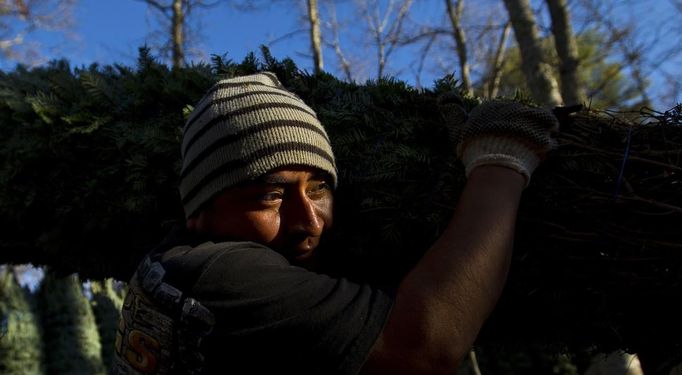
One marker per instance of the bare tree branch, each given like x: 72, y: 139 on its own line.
x: 288, y: 35
x: 19, y: 18
x: 394, y: 34
x: 424, y: 35
x: 164, y: 9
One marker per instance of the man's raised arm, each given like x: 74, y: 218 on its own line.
x: 443, y: 302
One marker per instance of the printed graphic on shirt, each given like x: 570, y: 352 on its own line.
x: 143, y: 337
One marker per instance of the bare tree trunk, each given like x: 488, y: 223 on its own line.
x: 345, y: 64
x: 543, y: 86
x: 394, y: 33
x: 377, y: 27
x: 494, y: 79
x: 315, y: 36
x: 567, y: 50
x: 386, y: 34
x: 178, y: 29
x: 424, y: 53
x: 475, y: 370
x: 455, y: 14
x: 177, y: 23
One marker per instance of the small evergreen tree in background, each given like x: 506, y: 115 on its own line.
x: 106, y: 304
x: 72, y: 343
x: 20, y: 342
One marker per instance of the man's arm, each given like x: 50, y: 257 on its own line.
x: 443, y: 302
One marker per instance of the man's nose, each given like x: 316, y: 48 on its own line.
x: 302, y: 217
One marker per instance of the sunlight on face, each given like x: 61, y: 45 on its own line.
x: 287, y: 210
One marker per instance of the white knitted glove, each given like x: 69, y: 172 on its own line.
x: 507, y: 134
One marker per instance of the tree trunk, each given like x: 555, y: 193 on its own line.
x: 455, y: 14
x: 315, y: 36
x: 498, y: 60
x: 543, y: 86
x: 381, y: 56
x: 345, y: 64
x: 567, y: 50
x: 177, y: 23
x: 475, y: 370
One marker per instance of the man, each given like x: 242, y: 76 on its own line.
x: 238, y: 292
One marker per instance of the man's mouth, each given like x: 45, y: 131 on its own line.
x: 306, y: 246
x: 305, y: 249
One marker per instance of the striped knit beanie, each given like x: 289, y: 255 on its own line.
x: 243, y: 128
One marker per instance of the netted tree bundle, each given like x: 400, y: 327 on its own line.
x: 598, y: 254
x: 90, y: 175
x: 599, y: 249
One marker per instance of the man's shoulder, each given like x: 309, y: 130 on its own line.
x: 184, y: 263
x: 209, y: 251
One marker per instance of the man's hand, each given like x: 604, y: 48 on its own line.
x: 507, y: 134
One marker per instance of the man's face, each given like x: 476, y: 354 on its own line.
x: 287, y: 210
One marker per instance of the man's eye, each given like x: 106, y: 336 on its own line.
x: 271, y: 196
x: 319, y: 189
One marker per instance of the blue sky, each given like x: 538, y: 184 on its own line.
x: 110, y: 31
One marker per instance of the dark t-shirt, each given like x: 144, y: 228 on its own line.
x: 273, y: 317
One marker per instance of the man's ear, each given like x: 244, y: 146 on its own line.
x: 197, y: 223
x: 191, y: 224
